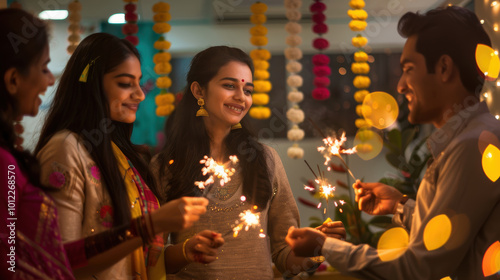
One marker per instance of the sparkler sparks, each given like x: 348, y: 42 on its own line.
x: 247, y: 220
x: 325, y: 188
x: 217, y: 171
x: 333, y: 148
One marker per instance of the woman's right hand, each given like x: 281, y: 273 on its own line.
x: 203, y: 247
x: 179, y: 214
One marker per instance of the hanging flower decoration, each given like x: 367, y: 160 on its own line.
x: 293, y: 54
x: 130, y: 28
x: 361, y: 68
x: 165, y: 99
x: 260, y: 57
x: 321, y: 68
x: 74, y: 18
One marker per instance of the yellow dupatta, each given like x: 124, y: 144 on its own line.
x: 137, y: 259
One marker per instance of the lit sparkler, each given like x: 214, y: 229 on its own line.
x: 333, y: 147
x: 247, y: 220
x: 217, y: 171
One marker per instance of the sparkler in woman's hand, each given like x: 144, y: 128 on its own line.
x: 216, y: 171
x: 247, y: 220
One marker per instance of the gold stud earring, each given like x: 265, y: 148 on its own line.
x: 201, y: 112
x: 236, y: 126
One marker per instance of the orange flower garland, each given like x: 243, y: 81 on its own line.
x: 293, y: 53
x: 361, y: 68
x: 165, y: 99
x: 260, y: 58
x: 74, y: 18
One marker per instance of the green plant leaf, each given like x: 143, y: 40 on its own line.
x: 390, y: 181
x: 381, y: 221
x: 394, y: 137
x: 375, y: 238
x: 407, y: 136
x: 396, y: 160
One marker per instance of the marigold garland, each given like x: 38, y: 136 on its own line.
x: 293, y: 53
x: 260, y: 56
x: 130, y: 28
x: 321, y: 68
x: 361, y: 68
x: 74, y: 18
x: 165, y: 99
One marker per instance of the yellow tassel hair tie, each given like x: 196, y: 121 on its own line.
x: 85, y: 73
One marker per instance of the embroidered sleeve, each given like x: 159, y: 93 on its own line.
x: 63, y: 172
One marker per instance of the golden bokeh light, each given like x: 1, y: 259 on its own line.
x: 437, y: 232
x: 446, y: 278
x: 491, y: 260
x: 380, y: 109
x: 491, y: 162
x: 392, y: 244
x: 368, y: 143
x: 487, y: 61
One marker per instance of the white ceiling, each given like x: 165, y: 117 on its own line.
x: 197, y: 24
x: 217, y: 11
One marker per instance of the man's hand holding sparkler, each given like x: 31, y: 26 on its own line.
x: 377, y: 198
x: 332, y: 229
x: 305, y: 242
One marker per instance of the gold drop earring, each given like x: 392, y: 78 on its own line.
x: 201, y: 112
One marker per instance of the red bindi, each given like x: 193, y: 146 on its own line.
x: 242, y: 80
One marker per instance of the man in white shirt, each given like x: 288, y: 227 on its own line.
x: 442, y: 85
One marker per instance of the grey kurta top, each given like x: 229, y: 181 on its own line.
x: 247, y: 256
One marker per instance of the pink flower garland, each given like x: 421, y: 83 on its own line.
x: 130, y: 28
x: 320, y: 61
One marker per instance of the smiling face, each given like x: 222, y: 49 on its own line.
x: 123, y: 91
x: 33, y: 84
x: 228, y: 95
x: 422, y: 89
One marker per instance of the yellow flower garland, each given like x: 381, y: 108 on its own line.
x: 361, y: 68
x: 260, y: 56
x: 164, y: 100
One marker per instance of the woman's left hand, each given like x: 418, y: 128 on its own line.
x: 333, y: 229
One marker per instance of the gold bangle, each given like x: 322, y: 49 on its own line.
x: 184, y: 250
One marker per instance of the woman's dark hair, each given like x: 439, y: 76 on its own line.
x: 453, y: 31
x: 187, y: 140
x: 23, y: 38
x: 83, y: 108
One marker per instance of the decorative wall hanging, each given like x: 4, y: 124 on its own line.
x: 130, y: 28
x: 321, y: 68
x: 293, y: 53
x: 165, y: 99
x: 260, y: 57
x: 74, y: 18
